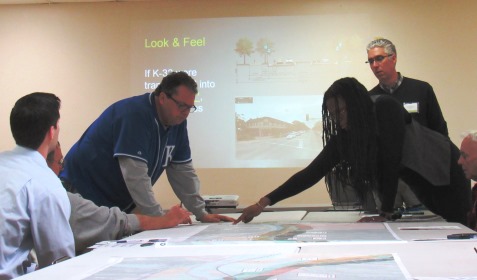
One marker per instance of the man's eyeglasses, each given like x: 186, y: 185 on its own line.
x: 182, y: 106
x: 377, y: 59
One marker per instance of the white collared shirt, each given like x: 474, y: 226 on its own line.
x: 34, y: 212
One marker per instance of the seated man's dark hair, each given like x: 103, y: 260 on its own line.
x: 32, y: 116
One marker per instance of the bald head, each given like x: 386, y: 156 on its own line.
x: 468, y: 156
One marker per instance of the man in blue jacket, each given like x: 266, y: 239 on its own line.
x: 122, y: 154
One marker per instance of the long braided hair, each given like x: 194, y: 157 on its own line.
x: 356, y: 144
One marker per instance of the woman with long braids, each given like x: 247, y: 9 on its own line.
x: 369, y: 144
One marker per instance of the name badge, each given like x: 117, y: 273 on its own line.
x: 412, y: 107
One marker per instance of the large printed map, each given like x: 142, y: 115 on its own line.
x: 265, y: 266
x: 259, y: 262
x: 291, y: 232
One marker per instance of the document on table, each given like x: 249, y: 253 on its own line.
x: 275, y: 232
x: 255, y: 266
x: 430, y: 228
x: 130, y: 243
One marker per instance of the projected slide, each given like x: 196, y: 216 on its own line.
x: 261, y: 81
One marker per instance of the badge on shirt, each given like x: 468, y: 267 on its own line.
x: 412, y: 107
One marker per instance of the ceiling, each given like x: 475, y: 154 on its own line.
x: 4, y: 2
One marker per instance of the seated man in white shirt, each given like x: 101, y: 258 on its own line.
x: 34, y: 207
x: 91, y: 223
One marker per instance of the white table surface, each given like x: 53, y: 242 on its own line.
x: 431, y: 258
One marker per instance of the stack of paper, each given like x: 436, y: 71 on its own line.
x: 221, y: 201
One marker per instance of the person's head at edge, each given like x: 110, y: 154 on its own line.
x: 175, y: 97
x: 348, y: 116
x: 468, y: 155
x: 382, y: 59
x: 34, y: 119
x: 55, y: 159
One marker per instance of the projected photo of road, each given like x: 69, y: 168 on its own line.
x: 278, y: 128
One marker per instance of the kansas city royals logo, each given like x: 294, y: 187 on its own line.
x: 168, y: 155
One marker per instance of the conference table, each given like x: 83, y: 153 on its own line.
x: 283, y: 245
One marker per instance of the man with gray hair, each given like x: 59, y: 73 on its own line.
x: 468, y: 162
x: 417, y: 97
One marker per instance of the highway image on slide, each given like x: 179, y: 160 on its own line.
x: 278, y: 131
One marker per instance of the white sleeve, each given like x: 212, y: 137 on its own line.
x: 139, y: 185
x: 186, y: 186
x: 51, y: 231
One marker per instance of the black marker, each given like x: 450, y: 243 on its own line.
x: 462, y: 236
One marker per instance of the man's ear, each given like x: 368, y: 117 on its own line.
x: 51, y: 132
x: 162, y: 97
